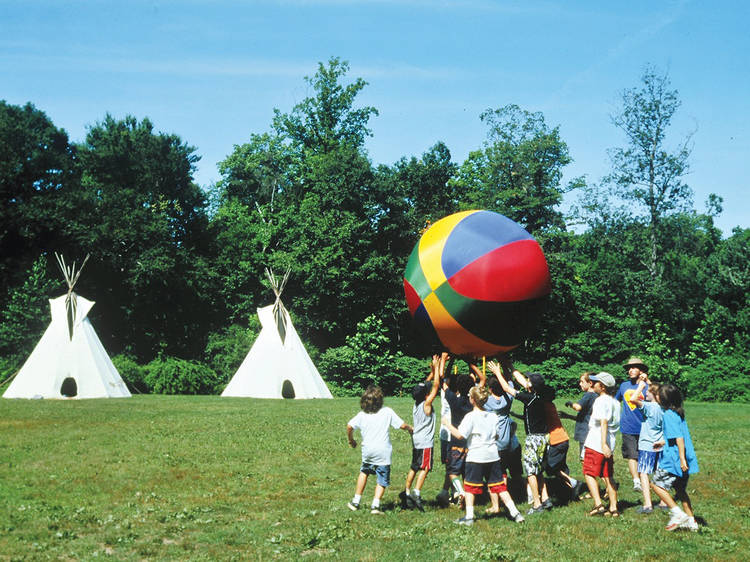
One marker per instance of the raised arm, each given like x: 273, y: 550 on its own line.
x: 636, y: 398
x: 438, y: 364
x: 494, y: 366
x: 478, y: 374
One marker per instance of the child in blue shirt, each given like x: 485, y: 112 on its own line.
x: 651, y: 439
x: 677, y: 462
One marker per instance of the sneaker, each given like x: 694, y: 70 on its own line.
x: 547, y: 504
x: 637, y: 486
x: 465, y: 521
x: 677, y: 520
x: 518, y: 518
x: 443, y: 498
x: 534, y: 510
x: 353, y: 506
x: 691, y: 525
x: 644, y: 510
x: 406, y: 500
x: 377, y: 511
x: 417, y: 500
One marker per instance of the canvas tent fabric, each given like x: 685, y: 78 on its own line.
x: 273, y: 364
x: 69, y: 349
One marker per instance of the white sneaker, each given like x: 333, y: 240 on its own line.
x: 690, y: 525
x: 518, y: 518
x: 677, y: 520
x: 637, y: 486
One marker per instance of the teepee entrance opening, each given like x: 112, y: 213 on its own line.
x: 69, y: 388
x: 287, y: 389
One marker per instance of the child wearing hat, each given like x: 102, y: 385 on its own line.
x: 631, y: 416
x: 598, y: 459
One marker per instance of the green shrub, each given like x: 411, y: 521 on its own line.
x: 722, y: 377
x: 170, y: 375
x: 225, y: 350
x: 132, y: 373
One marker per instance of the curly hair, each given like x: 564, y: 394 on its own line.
x: 372, y: 399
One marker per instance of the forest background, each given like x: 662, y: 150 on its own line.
x: 177, y: 269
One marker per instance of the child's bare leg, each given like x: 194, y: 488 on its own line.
x: 565, y: 477
x: 510, y: 505
x: 646, y: 489
x: 421, y: 476
x: 544, y: 496
x: 410, y: 478
x: 633, y: 468
x: 469, y: 498
x: 495, y: 504
x: 534, y: 485
x: 379, y: 491
x: 663, y: 495
x: 361, y: 482
x: 612, y: 493
x: 593, y: 486
x: 687, y: 507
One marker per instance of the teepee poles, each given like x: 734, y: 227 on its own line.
x: 278, y: 307
x: 71, y: 276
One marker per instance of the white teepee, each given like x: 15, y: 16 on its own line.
x: 277, y: 365
x: 69, y: 361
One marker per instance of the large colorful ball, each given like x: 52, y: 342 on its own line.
x: 476, y: 283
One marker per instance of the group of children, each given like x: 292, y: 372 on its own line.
x: 479, y: 447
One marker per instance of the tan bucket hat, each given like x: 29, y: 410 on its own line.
x: 636, y: 362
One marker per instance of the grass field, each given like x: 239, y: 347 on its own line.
x: 204, y: 478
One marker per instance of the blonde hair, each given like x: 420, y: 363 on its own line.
x: 479, y: 395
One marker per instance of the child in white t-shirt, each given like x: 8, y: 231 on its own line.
x: 373, y: 423
x: 479, y: 428
x: 598, y: 458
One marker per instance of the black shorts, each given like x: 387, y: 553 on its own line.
x: 480, y: 473
x: 555, y: 459
x: 629, y: 446
x: 510, y: 461
x: 421, y: 459
x: 456, y: 460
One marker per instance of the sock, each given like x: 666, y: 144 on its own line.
x: 415, y: 492
x: 407, y: 491
x: 573, y: 482
x: 469, y: 512
x: 676, y: 510
x: 458, y: 485
x: 375, y: 503
x: 357, y: 499
x: 512, y: 510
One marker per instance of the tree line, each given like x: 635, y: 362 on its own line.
x: 177, y: 269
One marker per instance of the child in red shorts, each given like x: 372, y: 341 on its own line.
x: 598, y: 460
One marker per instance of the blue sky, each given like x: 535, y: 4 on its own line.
x: 212, y: 72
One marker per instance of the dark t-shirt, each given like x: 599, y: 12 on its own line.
x: 584, y: 415
x: 460, y: 406
x: 534, y: 416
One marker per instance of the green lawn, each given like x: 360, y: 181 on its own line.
x: 178, y: 477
